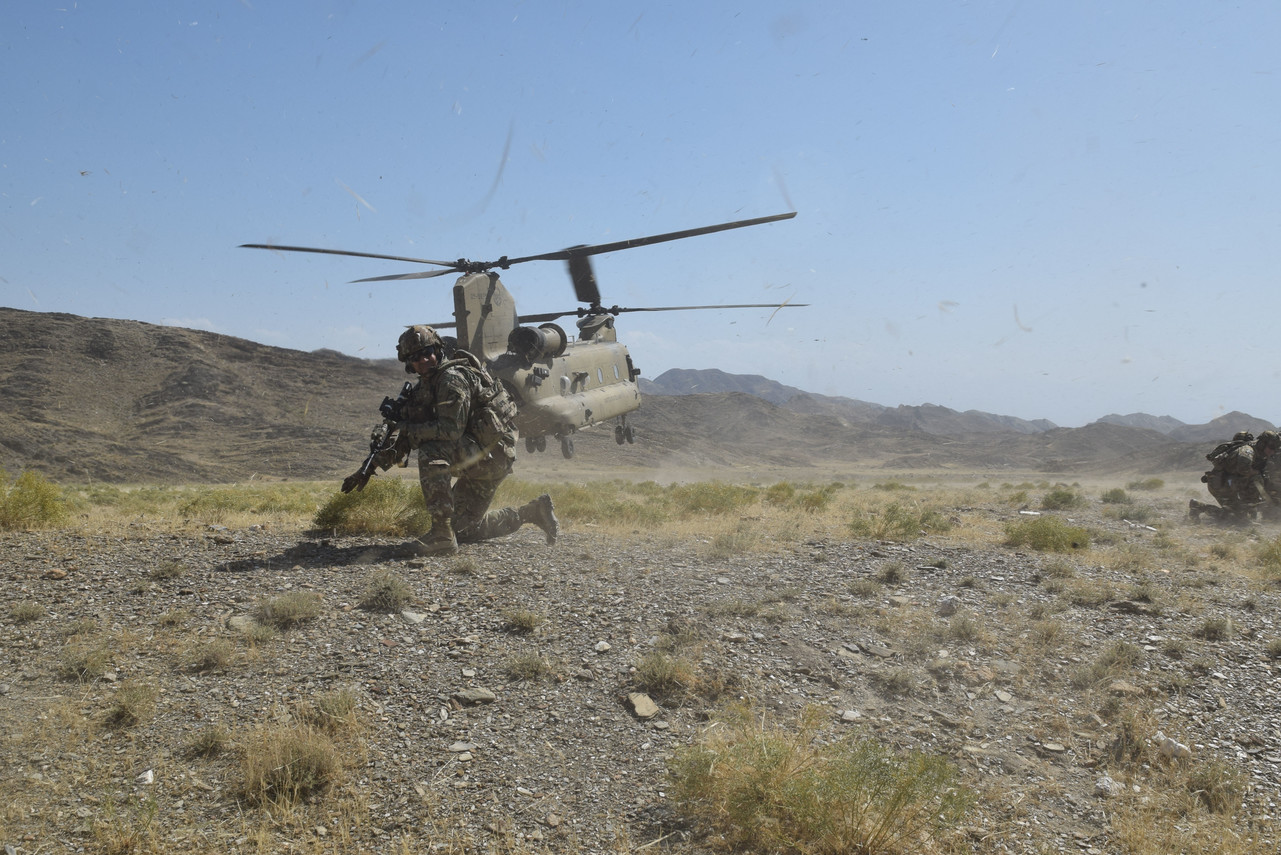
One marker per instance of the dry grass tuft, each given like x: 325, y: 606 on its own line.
x: 767, y: 788
x: 522, y: 621
x: 132, y: 704
x: 386, y: 593
x: 288, y: 610
x: 286, y: 764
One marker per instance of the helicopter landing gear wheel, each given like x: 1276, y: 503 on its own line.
x: 567, y: 446
x: 629, y: 433
x: 541, y: 443
x: 531, y: 444
x: 620, y: 434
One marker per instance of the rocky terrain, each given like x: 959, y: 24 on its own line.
x: 499, y: 709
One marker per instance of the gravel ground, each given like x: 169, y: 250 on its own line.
x: 970, y: 650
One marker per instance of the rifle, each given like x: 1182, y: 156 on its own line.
x: 382, y: 439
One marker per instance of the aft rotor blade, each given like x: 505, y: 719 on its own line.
x: 597, y: 249
x: 283, y: 248
x: 616, y: 310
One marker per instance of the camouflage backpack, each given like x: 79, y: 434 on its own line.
x: 493, y: 412
x: 1223, y: 450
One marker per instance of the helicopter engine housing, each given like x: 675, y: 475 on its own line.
x: 546, y: 341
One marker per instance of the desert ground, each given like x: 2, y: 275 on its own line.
x: 1098, y: 671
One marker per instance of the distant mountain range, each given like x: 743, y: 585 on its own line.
x: 93, y: 399
x: 928, y: 418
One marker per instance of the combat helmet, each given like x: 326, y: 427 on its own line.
x: 414, y: 341
x: 1269, y: 439
x: 1243, y: 436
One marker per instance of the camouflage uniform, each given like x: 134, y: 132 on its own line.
x: 436, y: 419
x: 462, y: 423
x: 1237, y: 481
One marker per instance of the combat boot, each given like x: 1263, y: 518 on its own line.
x: 439, y: 540
x: 541, y: 513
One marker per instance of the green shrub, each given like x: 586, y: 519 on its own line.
x: 1061, y: 499
x: 778, y: 789
x: 808, y: 499
x: 645, y: 505
x: 781, y: 493
x: 899, y: 522
x: 1047, y: 534
x: 387, y: 506
x: 30, y: 502
x: 216, y: 505
x: 712, y: 497
x: 1116, y: 496
x: 1146, y: 484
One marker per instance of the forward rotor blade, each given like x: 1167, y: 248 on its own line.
x: 422, y: 274
x: 597, y: 249
x: 347, y: 252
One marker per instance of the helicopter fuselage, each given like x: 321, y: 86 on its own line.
x: 561, y: 386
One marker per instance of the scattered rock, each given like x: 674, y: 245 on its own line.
x: 642, y: 705
x: 474, y: 696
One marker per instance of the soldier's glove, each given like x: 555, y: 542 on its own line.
x: 387, y: 458
x: 355, y: 481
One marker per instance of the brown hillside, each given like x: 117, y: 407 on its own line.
x: 122, y: 401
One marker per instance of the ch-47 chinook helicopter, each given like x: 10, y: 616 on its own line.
x: 560, y: 385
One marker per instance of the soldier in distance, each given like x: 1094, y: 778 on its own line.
x: 462, y: 423
x: 1236, y: 479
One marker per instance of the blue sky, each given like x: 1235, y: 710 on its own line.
x: 1047, y: 210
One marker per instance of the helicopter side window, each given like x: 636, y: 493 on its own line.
x: 600, y: 377
x: 616, y: 371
